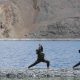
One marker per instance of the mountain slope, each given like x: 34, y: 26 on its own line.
x: 40, y: 19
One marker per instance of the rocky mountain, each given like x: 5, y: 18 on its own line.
x: 39, y: 19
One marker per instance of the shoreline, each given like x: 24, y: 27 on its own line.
x: 38, y: 73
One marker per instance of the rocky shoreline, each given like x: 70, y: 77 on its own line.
x: 38, y: 73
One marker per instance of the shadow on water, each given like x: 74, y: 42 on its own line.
x: 54, y: 78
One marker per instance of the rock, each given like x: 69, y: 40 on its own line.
x: 10, y: 75
x: 21, y: 75
x: 42, y: 18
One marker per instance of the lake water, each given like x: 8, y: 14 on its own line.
x: 20, y: 54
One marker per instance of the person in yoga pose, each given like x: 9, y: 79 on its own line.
x: 40, y: 57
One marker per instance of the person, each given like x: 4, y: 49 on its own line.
x: 40, y: 58
x: 77, y: 63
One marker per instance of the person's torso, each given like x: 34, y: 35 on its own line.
x: 40, y: 56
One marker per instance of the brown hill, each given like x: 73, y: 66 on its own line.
x: 39, y: 19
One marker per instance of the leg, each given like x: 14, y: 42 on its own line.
x: 47, y: 62
x: 36, y: 62
x: 76, y: 65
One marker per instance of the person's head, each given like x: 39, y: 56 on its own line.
x: 79, y: 51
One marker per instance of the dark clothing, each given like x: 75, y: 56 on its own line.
x: 40, y: 58
x: 38, y: 61
x: 76, y: 65
x: 79, y: 51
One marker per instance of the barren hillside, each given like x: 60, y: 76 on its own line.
x: 39, y: 19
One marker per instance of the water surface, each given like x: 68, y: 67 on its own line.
x: 19, y: 54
